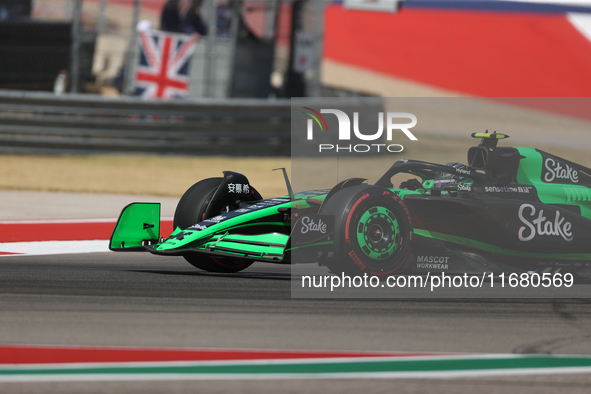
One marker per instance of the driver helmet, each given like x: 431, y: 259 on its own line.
x: 444, y: 178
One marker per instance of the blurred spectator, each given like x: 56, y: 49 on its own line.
x: 224, y: 18
x: 59, y: 86
x: 11, y: 10
x: 193, y: 21
x: 144, y: 25
x: 170, y: 18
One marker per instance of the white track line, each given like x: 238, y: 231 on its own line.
x: 53, y: 247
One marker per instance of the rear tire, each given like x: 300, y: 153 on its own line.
x: 191, y: 210
x: 373, y: 231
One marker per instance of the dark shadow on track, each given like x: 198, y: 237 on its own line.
x: 242, y: 275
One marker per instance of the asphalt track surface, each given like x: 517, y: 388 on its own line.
x: 136, y: 299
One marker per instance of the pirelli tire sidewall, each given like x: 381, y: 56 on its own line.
x: 193, y: 204
x: 373, y: 231
x: 191, y: 210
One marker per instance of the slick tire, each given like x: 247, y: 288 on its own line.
x: 373, y: 231
x: 191, y: 210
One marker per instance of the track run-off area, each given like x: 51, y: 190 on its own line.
x: 78, y: 319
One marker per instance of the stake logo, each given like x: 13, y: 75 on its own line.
x: 555, y: 172
x: 344, y: 130
x: 309, y: 225
x: 541, y: 226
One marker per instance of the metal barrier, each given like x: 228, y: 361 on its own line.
x: 34, y: 122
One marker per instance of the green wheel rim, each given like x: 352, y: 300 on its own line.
x: 378, y: 233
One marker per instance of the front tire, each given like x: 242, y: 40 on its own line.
x: 373, y: 231
x: 191, y: 210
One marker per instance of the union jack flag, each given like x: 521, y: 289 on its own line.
x: 163, y: 67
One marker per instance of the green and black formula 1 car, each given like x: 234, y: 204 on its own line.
x: 510, y: 209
